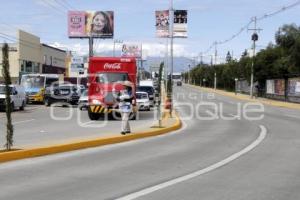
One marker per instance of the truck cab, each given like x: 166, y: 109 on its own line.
x: 106, y: 78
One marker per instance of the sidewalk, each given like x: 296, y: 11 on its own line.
x: 244, y: 97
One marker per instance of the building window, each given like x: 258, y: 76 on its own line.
x: 36, y: 68
x: 45, y: 59
x: 51, y: 60
x: 28, y: 67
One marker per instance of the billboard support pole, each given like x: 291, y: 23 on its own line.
x: 91, y: 44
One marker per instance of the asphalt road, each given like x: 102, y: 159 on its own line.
x: 39, y: 125
x: 206, y: 159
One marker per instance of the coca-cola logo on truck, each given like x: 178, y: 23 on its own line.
x: 112, y: 66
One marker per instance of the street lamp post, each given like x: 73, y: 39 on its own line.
x: 254, y: 38
x: 171, y: 34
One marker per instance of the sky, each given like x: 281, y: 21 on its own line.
x: 208, y: 21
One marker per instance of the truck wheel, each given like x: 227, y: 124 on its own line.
x: 23, y: 106
x: 93, y: 116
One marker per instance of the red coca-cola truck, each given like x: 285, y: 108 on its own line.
x: 106, y: 80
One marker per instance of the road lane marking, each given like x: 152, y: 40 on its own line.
x: 215, y: 166
x: 25, y: 121
x: 293, y: 116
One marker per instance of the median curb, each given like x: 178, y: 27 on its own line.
x: 59, y: 148
x: 269, y: 102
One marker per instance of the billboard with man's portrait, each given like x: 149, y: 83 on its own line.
x: 97, y: 24
x: 180, y: 23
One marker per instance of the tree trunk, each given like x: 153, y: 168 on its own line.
x: 7, y: 80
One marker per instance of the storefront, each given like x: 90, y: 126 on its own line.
x: 29, y: 56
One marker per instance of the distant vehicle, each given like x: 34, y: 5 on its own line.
x: 17, y: 95
x: 143, y: 101
x: 177, y: 78
x: 150, y: 90
x: 66, y: 93
x: 35, y: 84
x: 179, y: 83
x: 83, y: 100
x: 146, y: 83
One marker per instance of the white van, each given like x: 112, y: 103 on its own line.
x: 17, y: 95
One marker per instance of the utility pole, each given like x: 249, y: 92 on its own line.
x: 91, y: 44
x: 215, y: 75
x: 254, y: 38
x: 171, y: 34
x: 166, y: 66
x: 201, y: 59
x: 189, y: 75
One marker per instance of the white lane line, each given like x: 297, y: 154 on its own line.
x: 25, y: 121
x: 215, y: 166
x: 293, y: 116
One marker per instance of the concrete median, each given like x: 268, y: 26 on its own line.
x: 169, y: 124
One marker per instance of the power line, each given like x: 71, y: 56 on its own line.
x: 57, y: 9
x: 14, y: 39
x: 69, y: 5
x: 61, y: 4
x: 284, y: 8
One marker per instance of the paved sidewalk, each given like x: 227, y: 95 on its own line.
x: 247, y: 98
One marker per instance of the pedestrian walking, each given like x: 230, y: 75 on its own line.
x: 125, y: 106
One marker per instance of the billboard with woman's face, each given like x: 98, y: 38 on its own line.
x: 98, y: 24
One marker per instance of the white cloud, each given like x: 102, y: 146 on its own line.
x: 149, y: 49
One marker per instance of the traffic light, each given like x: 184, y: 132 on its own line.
x: 254, y: 37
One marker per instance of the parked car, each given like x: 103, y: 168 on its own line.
x: 66, y: 93
x: 17, y: 95
x: 83, y: 100
x: 143, y: 101
x: 151, y: 92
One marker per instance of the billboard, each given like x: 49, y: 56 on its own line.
x: 162, y: 23
x: 77, y: 64
x: 279, y: 86
x: 276, y: 86
x: 98, y: 24
x: 132, y: 50
x: 270, y: 87
x: 180, y: 23
x: 294, y: 86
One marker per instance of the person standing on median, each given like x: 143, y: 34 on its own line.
x: 125, y: 106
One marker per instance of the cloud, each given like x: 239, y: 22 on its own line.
x: 149, y: 49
